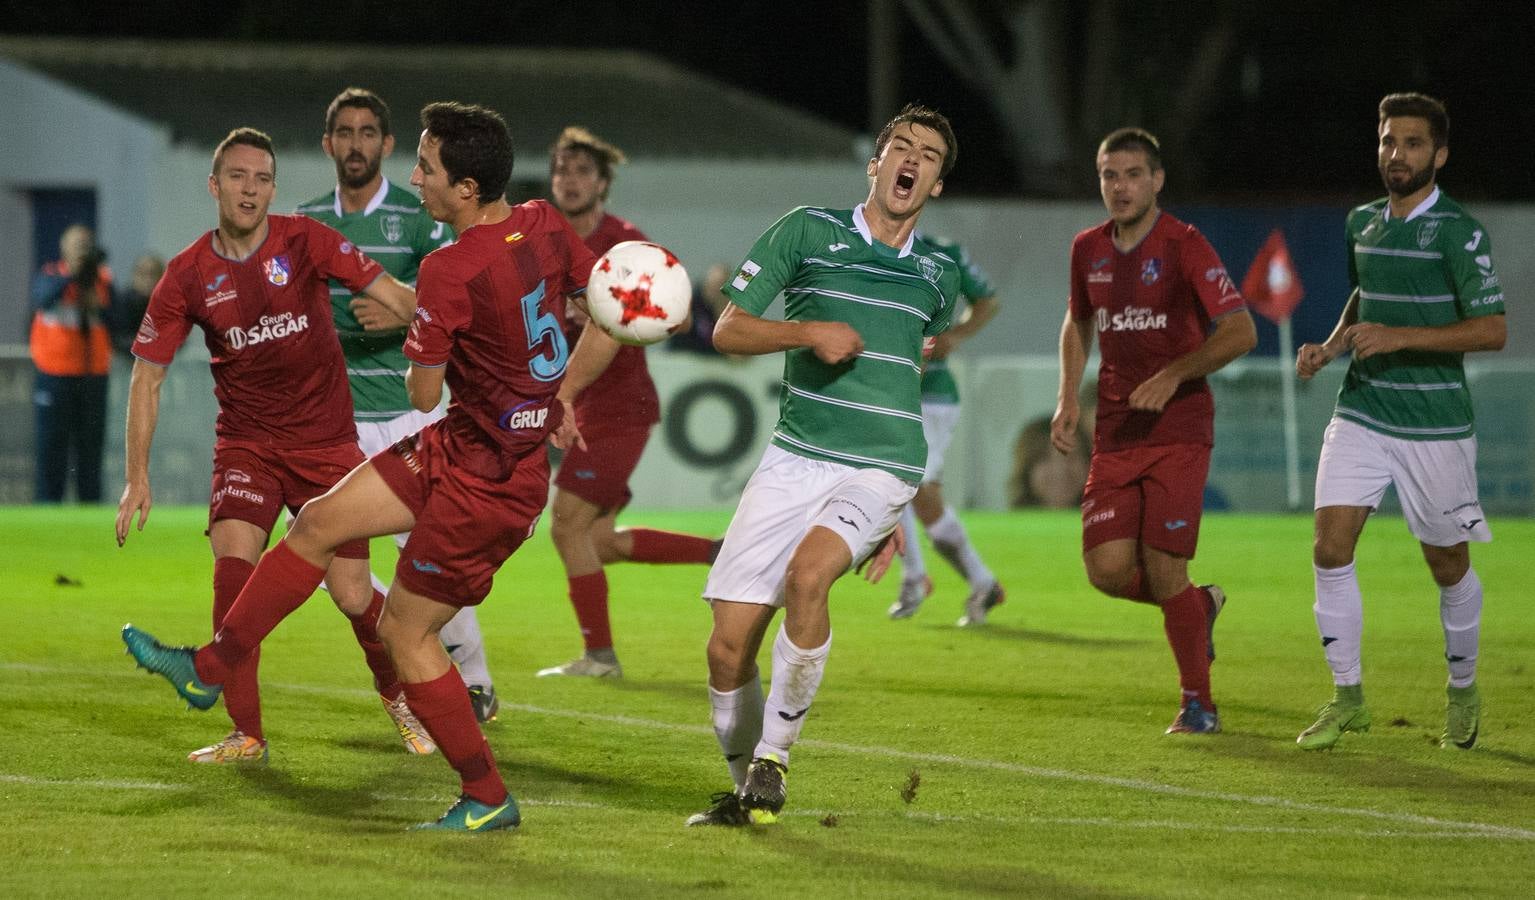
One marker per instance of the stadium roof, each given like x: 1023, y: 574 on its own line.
x: 648, y: 106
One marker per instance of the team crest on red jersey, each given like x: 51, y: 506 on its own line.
x: 277, y: 270
x: 1151, y: 270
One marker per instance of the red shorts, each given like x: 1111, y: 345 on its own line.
x: 254, y: 482
x: 600, y: 474
x: 467, y: 523
x: 1151, y: 494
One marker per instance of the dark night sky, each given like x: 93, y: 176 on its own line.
x: 1297, y: 127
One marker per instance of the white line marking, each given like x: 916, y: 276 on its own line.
x: 916, y: 815
x: 1461, y: 829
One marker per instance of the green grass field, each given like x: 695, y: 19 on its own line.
x: 1035, y: 743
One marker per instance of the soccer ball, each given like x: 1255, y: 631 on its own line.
x: 638, y: 292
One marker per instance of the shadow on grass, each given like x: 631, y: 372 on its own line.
x: 1354, y: 764
x: 995, y: 632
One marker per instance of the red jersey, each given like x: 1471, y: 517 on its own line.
x: 1150, y: 305
x: 489, y: 307
x: 278, y: 372
x: 623, y: 393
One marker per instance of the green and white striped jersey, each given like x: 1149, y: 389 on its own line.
x: 395, y: 231
x: 1431, y: 268
x: 938, y: 384
x: 866, y: 413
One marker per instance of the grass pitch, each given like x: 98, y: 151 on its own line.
x: 1023, y: 759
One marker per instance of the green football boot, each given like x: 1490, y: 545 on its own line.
x: 175, y: 663
x: 1344, y: 712
x: 1462, y: 717
x: 471, y: 815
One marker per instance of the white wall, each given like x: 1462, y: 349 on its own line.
x: 57, y: 137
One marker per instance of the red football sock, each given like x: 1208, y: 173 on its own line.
x: 242, y: 694
x: 1184, y: 618
x: 589, y: 595
x: 283, y: 580
x: 442, y: 706
x: 365, y: 626
x: 653, y: 546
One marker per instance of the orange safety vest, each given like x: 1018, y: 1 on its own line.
x: 59, y: 346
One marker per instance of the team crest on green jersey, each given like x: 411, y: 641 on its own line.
x: 929, y: 268
x: 393, y: 227
x: 1427, y: 232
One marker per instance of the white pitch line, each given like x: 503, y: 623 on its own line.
x: 103, y: 784
x: 1132, y: 784
x: 916, y: 815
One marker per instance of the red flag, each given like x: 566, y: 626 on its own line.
x: 1272, y: 286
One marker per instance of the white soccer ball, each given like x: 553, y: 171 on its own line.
x: 638, y: 292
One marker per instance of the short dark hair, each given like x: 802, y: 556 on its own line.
x: 357, y: 98
x: 1134, y: 139
x: 475, y: 143
x: 1421, y: 106
x: 927, y: 117
x: 575, y: 139
x: 248, y: 137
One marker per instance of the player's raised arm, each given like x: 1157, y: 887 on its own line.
x: 1234, y: 336
x: 740, y: 333
x: 1312, y: 358
x: 387, y: 304
x: 143, y: 415
x: 1367, y: 339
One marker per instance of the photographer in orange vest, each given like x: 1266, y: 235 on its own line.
x: 71, y: 350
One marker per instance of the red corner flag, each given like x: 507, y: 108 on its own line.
x: 1272, y: 286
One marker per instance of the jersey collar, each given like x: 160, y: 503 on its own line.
x: 1420, y: 209
x: 373, y: 205
x: 862, y: 226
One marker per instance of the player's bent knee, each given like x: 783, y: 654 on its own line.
x: 1114, y: 581
x: 1331, y: 555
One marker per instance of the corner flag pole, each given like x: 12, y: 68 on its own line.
x: 1291, y: 425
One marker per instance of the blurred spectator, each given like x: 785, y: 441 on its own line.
x: 1043, y: 477
x: 72, y: 355
x: 127, y: 310
x: 708, y: 304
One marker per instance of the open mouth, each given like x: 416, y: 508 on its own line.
x: 905, y: 180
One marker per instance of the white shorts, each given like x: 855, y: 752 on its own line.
x: 785, y: 497
x: 938, y: 423
x: 1435, y: 480
x: 375, y: 436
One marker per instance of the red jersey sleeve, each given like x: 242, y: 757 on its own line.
x: 166, y: 321
x: 1204, y: 271
x: 442, y: 310
x: 1078, y: 303
x: 337, y: 258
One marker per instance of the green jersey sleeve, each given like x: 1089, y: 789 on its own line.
x: 973, y: 282
x: 1468, y: 266
x: 949, y: 289
x: 770, y: 264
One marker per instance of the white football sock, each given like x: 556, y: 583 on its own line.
x: 796, y: 677
x: 462, y: 638
x: 1340, y: 621
x: 1460, y: 611
x: 738, y: 725
x: 913, y: 566
x: 953, y: 544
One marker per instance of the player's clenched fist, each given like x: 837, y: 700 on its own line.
x: 1311, y: 359
x: 834, y: 342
